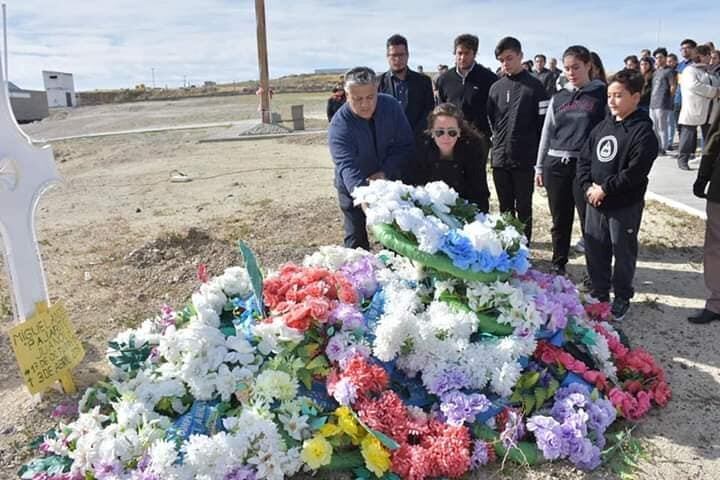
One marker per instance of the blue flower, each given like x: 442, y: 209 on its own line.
x: 486, y: 262
x: 459, y: 249
x: 519, y: 262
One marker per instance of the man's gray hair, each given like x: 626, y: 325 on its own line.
x: 360, y: 76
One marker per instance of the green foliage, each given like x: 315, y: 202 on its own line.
x: 624, y: 453
x: 52, y: 465
x: 131, y: 356
x: 256, y: 276
x: 530, y: 395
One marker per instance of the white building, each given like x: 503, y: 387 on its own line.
x: 60, y: 89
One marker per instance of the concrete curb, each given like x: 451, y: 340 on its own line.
x: 676, y: 205
x: 267, y: 136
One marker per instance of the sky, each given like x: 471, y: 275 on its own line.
x: 120, y: 43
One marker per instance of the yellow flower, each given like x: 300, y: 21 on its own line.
x: 377, y: 458
x: 316, y: 452
x: 349, y: 426
x: 329, y: 430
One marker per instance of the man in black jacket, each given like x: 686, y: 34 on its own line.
x: 613, y: 173
x: 709, y: 173
x: 413, y: 90
x: 516, y: 110
x: 545, y: 76
x: 467, y: 85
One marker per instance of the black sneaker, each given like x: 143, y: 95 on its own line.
x: 558, y: 270
x: 620, y: 307
x: 599, y: 296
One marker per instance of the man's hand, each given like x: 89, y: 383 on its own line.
x: 595, y: 195
x: 699, y: 188
x: 539, y: 180
x: 379, y: 175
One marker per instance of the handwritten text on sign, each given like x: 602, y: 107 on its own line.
x: 46, y: 347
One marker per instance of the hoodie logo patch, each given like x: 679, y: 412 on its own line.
x: 607, y: 149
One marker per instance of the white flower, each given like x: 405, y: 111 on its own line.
x: 240, y: 351
x: 274, y: 384
x: 235, y: 281
x: 163, y: 455
x: 294, y: 425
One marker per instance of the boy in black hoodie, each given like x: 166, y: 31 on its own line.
x: 613, y: 173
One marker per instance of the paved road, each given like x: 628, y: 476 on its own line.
x: 674, y: 186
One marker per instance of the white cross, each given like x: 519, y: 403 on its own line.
x: 26, y: 172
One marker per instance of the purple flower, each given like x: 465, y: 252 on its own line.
x: 345, y: 392
x: 549, y: 443
x: 601, y: 414
x: 350, y: 317
x: 240, y: 473
x: 351, y: 352
x: 459, y: 408
x: 362, y: 275
x: 69, y: 409
x: 451, y: 379
x: 108, y: 470
x: 336, y: 347
x: 480, y: 455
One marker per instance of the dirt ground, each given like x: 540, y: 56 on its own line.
x: 119, y: 240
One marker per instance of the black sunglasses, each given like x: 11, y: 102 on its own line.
x: 452, y: 132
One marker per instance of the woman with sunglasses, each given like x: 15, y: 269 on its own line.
x: 450, y: 151
x: 571, y: 115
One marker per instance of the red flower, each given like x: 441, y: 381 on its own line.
x: 366, y: 376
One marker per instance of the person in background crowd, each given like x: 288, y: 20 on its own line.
x: 597, y: 70
x: 369, y: 139
x: 545, y: 76
x: 411, y: 89
x: 467, y: 86
x: 645, y: 53
x: 661, y: 98
x: 672, y: 63
x: 687, y: 50
x: 698, y: 92
x: 707, y: 186
x: 516, y: 108
x: 613, y: 173
x: 552, y: 65
x: 336, y: 100
x: 420, y: 70
x: 571, y: 115
x: 441, y: 68
x: 646, y: 69
x: 451, y: 151
x: 631, y: 62
x: 715, y: 61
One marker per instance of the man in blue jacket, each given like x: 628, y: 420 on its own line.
x: 369, y: 138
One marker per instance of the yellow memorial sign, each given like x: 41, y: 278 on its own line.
x: 47, y: 348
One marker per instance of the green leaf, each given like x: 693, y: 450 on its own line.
x: 516, y: 396
x: 528, y: 403
x: 552, y: 387
x: 305, y: 377
x: 540, y: 397
x: 532, y: 379
x: 318, y: 362
x: 256, y: 276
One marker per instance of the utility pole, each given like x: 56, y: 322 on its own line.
x: 153, y: 77
x: 263, y: 61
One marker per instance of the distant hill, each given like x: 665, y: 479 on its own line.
x: 292, y: 83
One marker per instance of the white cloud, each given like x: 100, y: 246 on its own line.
x: 116, y: 44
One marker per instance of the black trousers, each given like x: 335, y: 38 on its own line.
x: 688, y: 140
x: 514, y: 187
x: 564, y: 197
x: 608, y: 234
x: 353, y: 222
